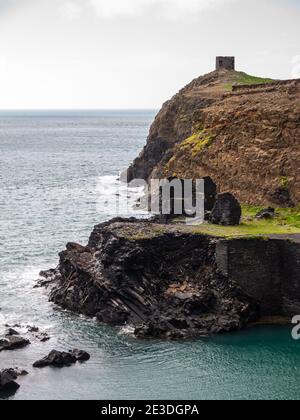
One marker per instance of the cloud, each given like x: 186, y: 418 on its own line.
x: 295, y: 67
x: 167, y: 8
x: 71, y: 10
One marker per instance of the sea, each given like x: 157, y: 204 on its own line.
x: 58, y: 178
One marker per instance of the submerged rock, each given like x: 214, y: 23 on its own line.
x: 227, y: 211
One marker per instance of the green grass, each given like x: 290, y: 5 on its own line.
x: 247, y: 79
x: 287, y: 221
x: 241, y: 78
x: 197, y: 142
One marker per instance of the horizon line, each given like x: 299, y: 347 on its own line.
x: 74, y: 109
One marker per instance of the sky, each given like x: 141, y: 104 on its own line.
x: 135, y: 54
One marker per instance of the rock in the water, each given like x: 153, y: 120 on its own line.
x: 57, y: 359
x: 7, y: 381
x: 227, y: 211
x: 13, y: 342
x: 47, y: 278
x: 37, y: 334
x: 11, y: 332
x: 80, y: 355
x: 16, y: 372
x: 268, y: 213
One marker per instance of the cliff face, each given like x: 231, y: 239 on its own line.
x: 169, y: 282
x: 246, y: 138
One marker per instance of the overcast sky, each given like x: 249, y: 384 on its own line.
x: 135, y: 53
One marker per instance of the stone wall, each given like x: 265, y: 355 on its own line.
x: 266, y: 270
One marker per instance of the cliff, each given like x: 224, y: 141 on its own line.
x: 175, y: 280
x: 169, y: 281
x: 242, y: 131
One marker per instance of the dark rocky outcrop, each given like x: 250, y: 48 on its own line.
x: 227, y: 211
x: 62, y: 359
x: 170, y: 282
x: 10, y: 332
x: 8, y: 379
x: 13, y: 342
x: 7, y: 382
x: 57, y: 359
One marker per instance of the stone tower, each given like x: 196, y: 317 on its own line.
x: 227, y: 63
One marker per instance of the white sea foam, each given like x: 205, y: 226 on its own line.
x: 117, y: 198
x: 127, y: 330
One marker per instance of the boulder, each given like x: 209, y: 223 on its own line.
x: 7, y: 382
x: 57, y: 359
x: 227, y: 211
x: 8, y: 378
x: 13, y: 342
x: 268, y: 213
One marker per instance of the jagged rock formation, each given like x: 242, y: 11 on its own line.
x: 169, y: 281
x: 246, y: 137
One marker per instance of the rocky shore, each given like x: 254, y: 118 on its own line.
x: 172, y: 281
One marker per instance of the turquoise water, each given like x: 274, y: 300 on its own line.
x: 51, y: 165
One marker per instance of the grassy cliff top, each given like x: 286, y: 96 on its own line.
x: 241, y: 78
x: 285, y: 224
